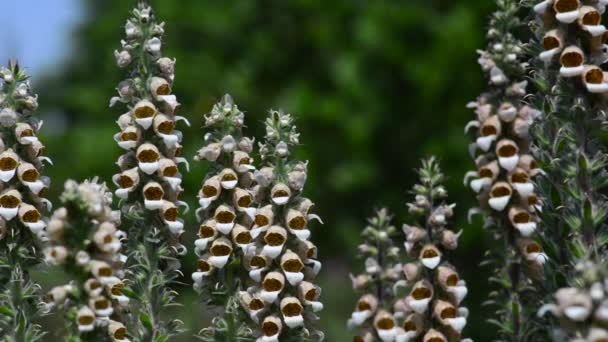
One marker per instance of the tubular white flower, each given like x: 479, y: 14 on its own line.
x: 572, y: 61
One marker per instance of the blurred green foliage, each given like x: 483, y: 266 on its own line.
x: 375, y: 87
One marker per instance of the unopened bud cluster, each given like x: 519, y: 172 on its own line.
x: 85, y: 242
x: 149, y: 183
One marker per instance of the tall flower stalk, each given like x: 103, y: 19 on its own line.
x: 503, y: 177
x: 226, y: 216
x: 284, y: 264
x: 21, y: 206
x: 149, y: 184
x: 383, y: 270
x: 568, y: 54
x: 435, y: 289
x: 85, y: 242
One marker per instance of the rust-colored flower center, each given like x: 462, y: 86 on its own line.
x: 310, y: 253
x: 594, y: 76
x: 292, y: 310
x: 487, y: 130
x: 507, y: 151
x: 243, y: 238
x: 385, y: 323
x: 274, y: 239
x: 120, y: 333
x: 436, y: 339
x: 26, y: 133
x: 170, y: 171
x: 9, y: 201
x: 148, y: 156
x: 562, y: 6
x: 421, y: 293
x: 144, y: 112
x: 571, y: 59
x: 228, y: 177
x: 533, y: 200
x: 163, y: 89
x: 486, y: 173
x: 220, y: 250
x: 256, y: 304
x: 244, y: 161
x: 125, y: 182
x: 206, y: 232
x: 203, y: 266
x: 533, y: 248
x: 178, y: 151
x: 270, y: 328
x: 429, y: 253
x: 244, y: 201
x: 116, y: 290
x: 452, y: 280
x: 358, y: 339
x: 257, y: 262
x: 170, y: 214
x: 280, y: 193
x: 166, y: 127
x: 592, y: 18
x: 261, y: 220
x: 550, y: 43
x: 311, y: 295
x: 293, y: 265
x: 31, y: 216
x: 128, y: 136
x: 94, y: 285
x: 105, y: 271
x: 448, y: 313
x: 521, y: 218
x: 224, y: 217
x: 86, y: 320
x: 500, y: 191
x: 8, y: 164
x: 153, y: 193
x: 409, y: 326
x: 272, y: 285
x: 519, y: 177
x: 30, y: 175
x: 209, y: 191
x: 101, y: 304
x: 363, y: 306
x: 297, y: 223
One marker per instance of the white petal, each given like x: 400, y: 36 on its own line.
x: 484, y: 143
x: 595, y: 30
x: 280, y: 200
x: 431, y: 263
x: 294, y: 322
x: 204, y: 202
x: 526, y: 229
x: 419, y: 306
x: 457, y: 323
x: 8, y: 213
x: 201, y: 244
x: 294, y: 278
x: 153, y: 205
x: 567, y: 17
x: 145, y: 122
x: 174, y: 181
x: 250, y: 212
x: 256, y: 275
x: 127, y: 145
x: 577, y: 313
x: 499, y: 203
x: 540, y: 8
x: 175, y: 227
x: 35, y: 187
x: 224, y: 228
x: 269, y: 297
x: 36, y: 227
x: 459, y: 292
x: 123, y: 193
x: 524, y: 189
x: 571, y: 71
x: 219, y: 261
x: 302, y: 234
x: 316, y: 306
x: 149, y: 168
x: 387, y: 335
x: 508, y: 115
x: 481, y: 183
x: 229, y: 184
x: 359, y: 317
x: 272, y: 251
x: 597, y: 88
x: 548, y: 55
x: 6, y: 176
x: 509, y: 163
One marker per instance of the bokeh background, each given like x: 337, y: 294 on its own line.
x: 375, y: 87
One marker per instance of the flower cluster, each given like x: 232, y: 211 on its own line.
x: 227, y: 210
x: 149, y: 183
x: 378, y: 308
x: 582, y: 310
x: 283, y: 261
x: 435, y: 290
x: 505, y: 168
x: 22, y: 202
x: 85, y: 242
